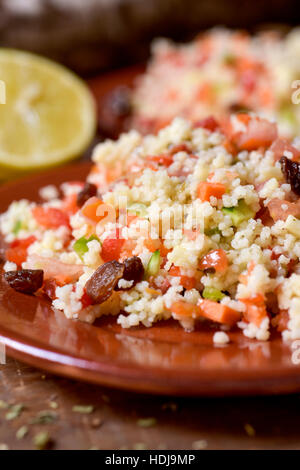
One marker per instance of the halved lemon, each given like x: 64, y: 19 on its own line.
x: 49, y: 116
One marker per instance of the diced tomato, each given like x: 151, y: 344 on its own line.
x: 259, y: 133
x: 279, y: 146
x: 216, y: 259
x: 70, y: 204
x: 208, y: 123
x: 206, y: 93
x: 219, y: 313
x: 112, y: 247
x: 17, y: 251
x: 86, y: 300
x: 62, y: 273
x: 165, y: 160
x: 186, y: 281
x: 205, y: 190
x: 280, y: 209
x: 50, y: 217
x: 255, y: 309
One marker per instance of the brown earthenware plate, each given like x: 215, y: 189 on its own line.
x: 161, y: 359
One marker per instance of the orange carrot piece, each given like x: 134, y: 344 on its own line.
x: 205, y: 190
x: 90, y: 210
x: 219, y: 313
x: 255, y: 309
x: 184, y: 309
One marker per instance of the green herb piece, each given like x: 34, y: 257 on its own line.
x: 212, y: 293
x: 3, y: 405
x: 14, y: 412
x: 81, y: 245
x: 44, y: 417
x: 239, y: 213
x: 146, y: 422
x: 17, y: 227
x: 21, y: 432
x: 42, y: 440
x: 83, y: 409
x: 153, y: 265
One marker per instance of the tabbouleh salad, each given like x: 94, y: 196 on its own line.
x: 122, y: 244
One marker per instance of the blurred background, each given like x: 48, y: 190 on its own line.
x: 91, y: 36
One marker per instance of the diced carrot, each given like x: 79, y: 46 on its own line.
x: 50, y: 217
x: 89, y: 210
x: 156, y: 244
x: 184, y: 309
x: 216, y: 259
x: 17, y: 251
x: 219, y: 313
x: 255, y: 309
x: 205, y: 190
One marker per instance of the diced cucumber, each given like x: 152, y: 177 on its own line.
x: 239, y: 213
x: 138, y: 208
x: 17, y: 227
x: 153, y: 265
x: 212, y: 293
x: 80, y: 246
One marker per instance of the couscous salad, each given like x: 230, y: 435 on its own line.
x: 199, y: 223
x: 220, y: 72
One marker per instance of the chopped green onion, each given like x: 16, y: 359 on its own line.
x: 80, y: 246
x: 153, y: 265
x: 212, y: 293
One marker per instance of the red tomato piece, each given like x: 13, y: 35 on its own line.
x: 50, y: 217
x: 215, y: 259
x: 17, y: 251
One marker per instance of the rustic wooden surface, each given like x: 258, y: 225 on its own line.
x: 180, y: 423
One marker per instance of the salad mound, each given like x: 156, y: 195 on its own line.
x: 199, y: 223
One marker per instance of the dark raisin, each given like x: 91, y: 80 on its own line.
x: 291, y: 171
x: 89, y: 190
x: 102, y: 283
x: 115, y: 112
x: 209, y: 270
x: 26, y: 281
x: 133, y: 271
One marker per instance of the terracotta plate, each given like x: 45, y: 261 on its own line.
x: 162, y: 359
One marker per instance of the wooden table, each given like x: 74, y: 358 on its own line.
x: 246, y: 423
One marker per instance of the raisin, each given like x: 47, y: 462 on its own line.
x: 102, y: 283
x: 133, y: 271
x: 291, y: 171
x: 26, y: 281
x: 49, y: 288
x: 89, y: 190
x: 115, y: 112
